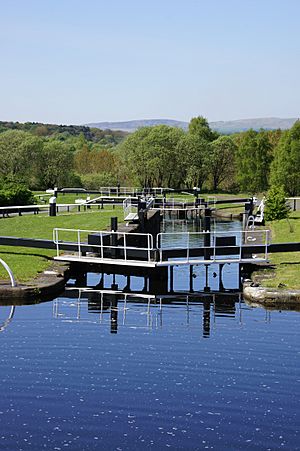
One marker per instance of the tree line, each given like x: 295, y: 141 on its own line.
x: 71, y: 156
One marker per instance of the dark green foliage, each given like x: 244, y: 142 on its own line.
x: 199, y: 126
x: 285, y: 169
x: 276, y: 207
x: 15, y: 194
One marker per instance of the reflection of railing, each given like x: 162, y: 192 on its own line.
x: 198, y: 247
x: 72, y: 310
x: 108, y: 241
x: 13, y: 284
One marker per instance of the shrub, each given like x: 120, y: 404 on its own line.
x: 276, y: 207
x: 15, y: 194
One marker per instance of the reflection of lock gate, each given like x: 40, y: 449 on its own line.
x: 113, y: 306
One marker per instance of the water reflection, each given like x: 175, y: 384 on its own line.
x: 115, y: 309
x: 5, y: 323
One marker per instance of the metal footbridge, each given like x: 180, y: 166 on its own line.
x: 168, y: 249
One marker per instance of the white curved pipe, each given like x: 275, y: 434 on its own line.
x: 9, y: 271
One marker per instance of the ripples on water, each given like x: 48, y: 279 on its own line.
x: 198, y: 375
x: 68, y: 382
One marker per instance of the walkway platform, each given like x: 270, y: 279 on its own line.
x: 105, y: 261
x: 152, y: 264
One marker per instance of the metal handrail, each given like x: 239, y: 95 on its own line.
x: 241, y: 237
x: 79, y: 241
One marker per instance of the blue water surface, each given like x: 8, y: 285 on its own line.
x: 67, y: 382
x: 184, y: 373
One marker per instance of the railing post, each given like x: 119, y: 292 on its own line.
x: 101, y: 245
x: 242, y: 240
x: 79, y: 244
x: 125, y: 250
x: 149, y: 253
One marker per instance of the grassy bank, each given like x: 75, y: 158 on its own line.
x: 25, y: 262
x: 287, y: 269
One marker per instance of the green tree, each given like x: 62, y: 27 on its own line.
x: 253, y: 159
x: 56, y: 164
x: 199, y: 126
x: 153, y: 155
x: 285, y: 169
x: 276, y: 207
x: 19, y: 155
x: 222, y: 160
x: 194, y: 160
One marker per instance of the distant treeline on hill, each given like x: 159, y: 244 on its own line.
x: 63, y: 132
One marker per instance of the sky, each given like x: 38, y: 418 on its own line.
x: 75, y: 62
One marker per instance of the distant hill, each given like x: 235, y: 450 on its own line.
x: 268, y: 123
x: 131, y: 126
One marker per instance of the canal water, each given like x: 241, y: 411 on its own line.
x: 205, y: 371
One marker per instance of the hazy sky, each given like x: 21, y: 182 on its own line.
x: 69, y: 61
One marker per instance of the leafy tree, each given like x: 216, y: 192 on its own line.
x: 56, y: 164
x: 221, y: 160
x: 199, y: 126
x: 276, y: 207
x: 285, y: 169
x: 194, y: 159
x: 153, y: 156
x: 136, y: 156
x: 253, y: 158
x: 19, y: 154
x: 82, y: 160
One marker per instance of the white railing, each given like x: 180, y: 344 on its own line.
x: 78, y: 238
x: 130, y: 210
x: 293, y: 202
x: 185, y: 241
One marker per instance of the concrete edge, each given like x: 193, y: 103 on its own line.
x: 47, y: 284
x: 226, y: 215
x: 270, y: 296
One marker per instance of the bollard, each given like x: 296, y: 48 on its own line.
x: 52, y: 206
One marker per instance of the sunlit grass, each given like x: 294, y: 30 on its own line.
x: 26, y: 262
x: 287, y: 270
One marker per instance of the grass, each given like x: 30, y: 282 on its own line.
x: 287, y: 264
x: 26, y: 263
